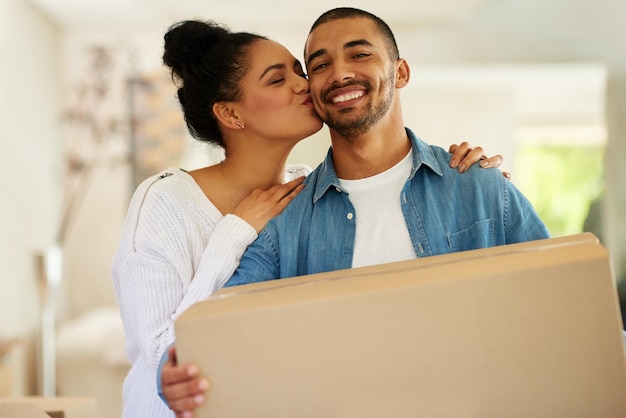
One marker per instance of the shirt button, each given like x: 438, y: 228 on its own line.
x: 350, y: 215
x: 420, y: 248
x: 338, y: 189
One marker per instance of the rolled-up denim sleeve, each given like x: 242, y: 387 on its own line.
x: 164, y: 358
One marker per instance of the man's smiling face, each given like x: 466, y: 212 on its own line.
x: 351, y: 75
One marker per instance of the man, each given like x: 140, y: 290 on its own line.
x: 382, y: 194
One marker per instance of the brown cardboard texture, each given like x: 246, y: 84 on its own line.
x: 524, y: 330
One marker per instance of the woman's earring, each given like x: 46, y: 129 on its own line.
x: 240, y: 124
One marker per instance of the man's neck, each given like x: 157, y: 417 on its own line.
x: 371, y: 153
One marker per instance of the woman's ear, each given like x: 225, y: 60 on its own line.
x: 227, y: 116
x: 403, y: 73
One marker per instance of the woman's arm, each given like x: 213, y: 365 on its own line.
x: 176, y: 250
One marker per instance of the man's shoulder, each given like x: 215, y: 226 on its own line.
x: 474, y: 173
x: 298, y: 207
x: 488, y: 179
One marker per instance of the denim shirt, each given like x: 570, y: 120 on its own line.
x: 445, y: 211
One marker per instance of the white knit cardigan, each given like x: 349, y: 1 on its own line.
x: 176, y: 249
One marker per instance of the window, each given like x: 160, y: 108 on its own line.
x: 547, y: 120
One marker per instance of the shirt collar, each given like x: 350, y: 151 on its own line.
x: 422, y: 155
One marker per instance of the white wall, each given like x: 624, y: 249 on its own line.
x: 95, y: 225
x: 29, y: 140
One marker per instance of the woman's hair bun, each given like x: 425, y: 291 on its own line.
x: 187, y: 42
x: 207, y: 63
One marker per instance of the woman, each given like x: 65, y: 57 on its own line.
x: 186, y: 231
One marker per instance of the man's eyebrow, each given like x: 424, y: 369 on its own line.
x: 314, y: 55
x: 358, y: 42
x: 347, y: 45
x: 272, y: 67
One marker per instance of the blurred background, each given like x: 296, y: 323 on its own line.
x: 88, y: 111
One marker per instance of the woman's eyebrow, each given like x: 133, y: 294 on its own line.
x: 272, y: 67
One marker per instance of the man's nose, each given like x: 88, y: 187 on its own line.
x: 342, y: 72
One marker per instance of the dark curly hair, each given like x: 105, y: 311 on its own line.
x: 207, y: 62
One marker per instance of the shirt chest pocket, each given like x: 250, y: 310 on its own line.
x: 480, y: 234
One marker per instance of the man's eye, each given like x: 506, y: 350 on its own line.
x: 319, y: 67
x: 362, y: 55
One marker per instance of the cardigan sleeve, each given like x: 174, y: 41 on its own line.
x: 170, y: 257
x: 229, y: 240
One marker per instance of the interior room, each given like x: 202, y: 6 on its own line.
x: 89, y: 111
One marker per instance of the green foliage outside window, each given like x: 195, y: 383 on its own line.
x: 561, y: 182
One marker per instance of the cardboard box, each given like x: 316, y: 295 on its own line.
x: 524, y: 330
x: 55, y: 407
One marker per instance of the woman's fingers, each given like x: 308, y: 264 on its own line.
x: 262, y: 205
x: 492, y: 162
x: 465, y: 155
x: 281, y: 191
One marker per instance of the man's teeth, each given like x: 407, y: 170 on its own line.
x: 346, y: 97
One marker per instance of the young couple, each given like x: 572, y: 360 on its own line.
x: 380, y: 195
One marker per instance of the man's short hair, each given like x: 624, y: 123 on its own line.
x: 350, y: 12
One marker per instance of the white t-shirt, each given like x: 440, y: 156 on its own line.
x: 381, y: 232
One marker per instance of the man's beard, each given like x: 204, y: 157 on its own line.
x: 351, y: 127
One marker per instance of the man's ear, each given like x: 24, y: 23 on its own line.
x: 403, y: 73
x: 226, y: 115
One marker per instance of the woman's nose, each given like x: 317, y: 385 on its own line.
x: 302, y: 85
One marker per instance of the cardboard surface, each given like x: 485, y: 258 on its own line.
x: 525, y: 330
x: 55, y: 407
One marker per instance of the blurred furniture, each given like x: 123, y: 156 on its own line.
x: 7, y: 346
x: 53, y: 407
x: 21, y: 409
x: 91, y: 360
